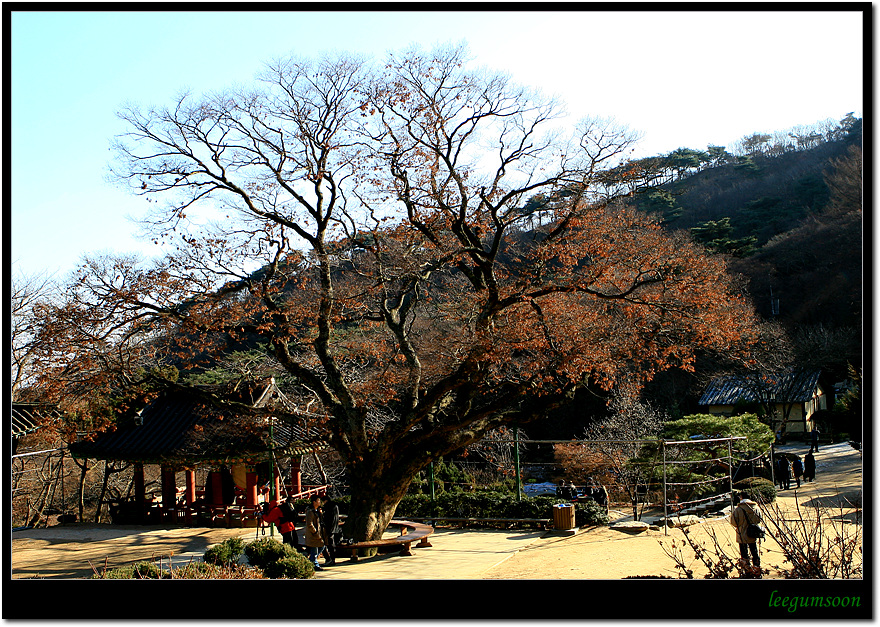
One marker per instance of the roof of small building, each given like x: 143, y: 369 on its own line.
x: 28, y: 417
x: 797, y: 386
x: 184, y: 427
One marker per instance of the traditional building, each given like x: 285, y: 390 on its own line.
x: 185, y: 430
x: 791, y: 398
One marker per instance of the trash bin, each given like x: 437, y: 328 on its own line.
x: 563, y: 516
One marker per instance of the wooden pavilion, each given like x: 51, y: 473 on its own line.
x: 186, y: 429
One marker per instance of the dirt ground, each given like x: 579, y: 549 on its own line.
x: 605, y: 553
x: 592, y: 553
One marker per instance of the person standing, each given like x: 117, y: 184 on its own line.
x: 809, y: 467
x: 741, y: 517
x: 797, y: 469
x: 275, y: 514
x: 814, y: 436
x: 332, y: 532
x: 784, y: 473
x: 314, y: 531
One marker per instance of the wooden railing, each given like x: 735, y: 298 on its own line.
x: 199, y: 514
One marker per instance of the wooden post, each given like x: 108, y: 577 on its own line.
x: 250, y: 494
x: 296, y: 475
x: 140, y: 491
x: 190, y: 495
x: 277, y: 479
x: 190, y: 487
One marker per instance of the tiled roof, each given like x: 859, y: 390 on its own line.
x: 792, y: 387
x: 185, y: 428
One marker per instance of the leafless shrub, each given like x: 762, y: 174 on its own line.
x: 718, y: 563
x: 821, y: 539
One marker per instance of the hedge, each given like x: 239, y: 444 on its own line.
x: 487, y: 504
x: 756, y: 488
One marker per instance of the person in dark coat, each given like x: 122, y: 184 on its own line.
x: 797, y: 469
x: 814, y: 436
x: 600, y: 495
x: 332, y: 532
x: 784, y: 473
x: 809, y: 467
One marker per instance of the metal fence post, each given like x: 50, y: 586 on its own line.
x: 272, y: 496
x: 665, y: 511
x: 516, y: 460
x: 730, y: 470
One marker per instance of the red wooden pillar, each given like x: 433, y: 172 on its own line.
x: 296, y: 475
x: 277, y: 478
x: 190, y: 487
x: 140, y: 490
x: 250, y: 494
x: 190, y: 494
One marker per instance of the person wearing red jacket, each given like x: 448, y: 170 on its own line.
x: 274, y: 514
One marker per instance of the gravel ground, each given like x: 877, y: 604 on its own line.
x: 604, y: 553
x: 76, y: 550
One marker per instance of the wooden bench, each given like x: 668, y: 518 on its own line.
x: 409, y: 533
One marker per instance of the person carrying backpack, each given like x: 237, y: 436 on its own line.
x: 743, y: 517
x: 283, y: 516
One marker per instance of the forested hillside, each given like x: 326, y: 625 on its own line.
x: 786, y: 208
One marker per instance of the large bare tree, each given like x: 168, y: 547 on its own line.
x: 30, y: 297
x: 370, y: 223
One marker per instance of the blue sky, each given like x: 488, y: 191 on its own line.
x: 680, y: 78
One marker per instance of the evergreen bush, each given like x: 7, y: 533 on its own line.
x: 590, y: 513
x: 296, y: 566
x: 758, y: 489
x: 262, y: 552
x: 493, y: 504
x: 227, y: 552
x: 140, y: 570
x: 414, y: 506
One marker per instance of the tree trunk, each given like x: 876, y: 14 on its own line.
x: 103, y: 491
x: 46, y: 479
x: 374, y: 500
x: 81, y: 490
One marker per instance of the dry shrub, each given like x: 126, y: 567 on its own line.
x: 819, y: 540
